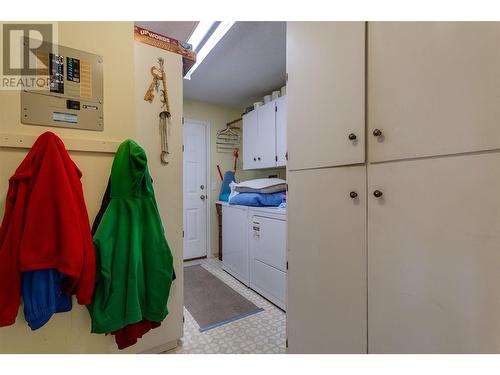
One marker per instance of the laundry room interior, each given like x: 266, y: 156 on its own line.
x: 246, y: 187
x: 236, y: 105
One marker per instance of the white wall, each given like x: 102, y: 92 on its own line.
x: 167, y: 179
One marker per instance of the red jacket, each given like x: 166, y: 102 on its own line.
x: 45, y: 225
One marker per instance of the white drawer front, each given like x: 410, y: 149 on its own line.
x: 268, y: 241
x: 270, y: 282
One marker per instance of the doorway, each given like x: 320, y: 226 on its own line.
x: 196, y: 171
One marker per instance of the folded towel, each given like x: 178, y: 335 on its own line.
x: 261, y: 185
x: 257, y: 200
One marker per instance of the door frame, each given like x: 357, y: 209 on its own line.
x: 208, y: 187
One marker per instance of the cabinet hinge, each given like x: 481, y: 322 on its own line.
x: 182, y: 234
x: 275, y: 108
x: 182, y: 148
x: 286, y: 187
x: 286, y: 342
x: 287, y: 78
x: 286, y: 265
x: 276, y: 157
x: 286, y: 156
x: 182, y: 120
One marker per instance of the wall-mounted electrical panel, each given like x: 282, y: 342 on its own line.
x: 73, y: 96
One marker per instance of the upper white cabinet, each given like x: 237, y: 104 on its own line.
x: 266, y: 142
x: 281, y: 149
x: 250, y: 139
x: 433, y: 88
x: 325, y: 94
x: 264, y: 132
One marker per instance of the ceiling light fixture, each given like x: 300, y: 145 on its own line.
x: 211, y: 42
x: 199, y: 33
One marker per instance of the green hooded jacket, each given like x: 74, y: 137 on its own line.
x: 134, y: 262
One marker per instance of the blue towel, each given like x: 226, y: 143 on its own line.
x: 258, y: 199
x: 225, y: 190
x: 43, y: 295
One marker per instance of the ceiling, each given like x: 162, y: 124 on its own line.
x: 248, y: 63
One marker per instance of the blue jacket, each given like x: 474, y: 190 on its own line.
x: 43, y: 295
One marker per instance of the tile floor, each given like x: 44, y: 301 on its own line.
x: 264, y: 332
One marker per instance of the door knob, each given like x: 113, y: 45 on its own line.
x: 258, y: 158
x: 202, y: 187
x: 203, y: 197
x: 352, y: 137
x: 377, y: 193
x: 353, y: 194
x: 377, y: 132
x: 254, y: 159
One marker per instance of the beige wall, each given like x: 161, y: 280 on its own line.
x: 70, y: 332
x: 218, y: 116
x: 167, y: 179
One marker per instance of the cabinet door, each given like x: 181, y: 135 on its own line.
x: 433, y: 88
x: 326, y: 308
x: 281, y: 131
x: 325, y: 93
x: 434, y: 259
x: 266, y: 139
x: 250, y: 139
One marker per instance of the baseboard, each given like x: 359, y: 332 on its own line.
x: 162, y: 348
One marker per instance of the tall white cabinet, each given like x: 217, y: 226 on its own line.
x: 434, y: 234
x: 425, y: 223
x: 326, y: 206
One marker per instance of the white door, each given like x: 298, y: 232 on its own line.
x: 250, y: 139
x: 433, y: 88
x: 325, y: 94
x: 195, y: 189
x: 266, y: 140
x: 326, y: 306
x: 281, y: 131
x: 433, y: 255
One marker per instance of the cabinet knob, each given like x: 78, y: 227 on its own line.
x: 254, y: 159
x: 377, y: 193
x: 352, y: 137
x: 377, y: 132
x: 353, y: 194
x: 258, y: 158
